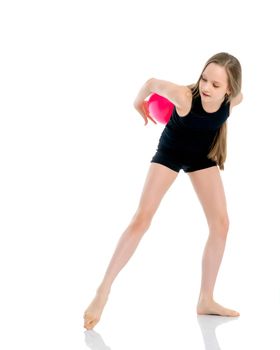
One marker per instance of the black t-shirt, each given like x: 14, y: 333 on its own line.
x: 191, y: 136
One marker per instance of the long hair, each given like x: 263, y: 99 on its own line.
x: 218, y: 150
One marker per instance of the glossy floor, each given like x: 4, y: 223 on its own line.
x: 206, y: 332
x: 50, y: 325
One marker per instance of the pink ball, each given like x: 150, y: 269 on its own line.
x: 160, y: 108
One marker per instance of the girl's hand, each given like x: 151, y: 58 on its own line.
x: 144, y: 111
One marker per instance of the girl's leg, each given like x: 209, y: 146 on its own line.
x: 209, y: 188
x: 158, y: 181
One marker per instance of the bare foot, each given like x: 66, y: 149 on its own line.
x: 93, y: 312
x: 210, y: 307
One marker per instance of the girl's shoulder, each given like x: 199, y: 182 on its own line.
x: 236, y: 100
x: 186, y: 105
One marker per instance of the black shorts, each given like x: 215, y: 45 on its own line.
x: 176, y: 163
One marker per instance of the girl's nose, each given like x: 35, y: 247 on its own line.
x: 206, y: 86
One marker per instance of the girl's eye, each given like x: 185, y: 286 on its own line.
x: 203, y: 79
x: 216, y: 86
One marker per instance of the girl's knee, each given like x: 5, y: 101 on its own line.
x: 220, y: 226
x: 142, y: 220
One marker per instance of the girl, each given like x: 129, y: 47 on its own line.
x: 193, y: 140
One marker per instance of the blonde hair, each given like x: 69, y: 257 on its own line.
x: 218, y: 150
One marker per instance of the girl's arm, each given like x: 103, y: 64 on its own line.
x: 180, y: 96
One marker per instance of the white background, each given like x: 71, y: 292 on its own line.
x: 74, y: 155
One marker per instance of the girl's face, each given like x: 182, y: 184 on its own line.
x: 213, y: 84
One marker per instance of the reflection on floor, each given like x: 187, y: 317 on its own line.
x: 207, y: 323
x: 94, y: 341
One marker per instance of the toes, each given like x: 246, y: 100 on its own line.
x: 235, y: 313
x: 90, y: 322
x: 89, y: 325
x: 231, y: 313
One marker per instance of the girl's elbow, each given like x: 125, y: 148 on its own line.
x: 150, y: 83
